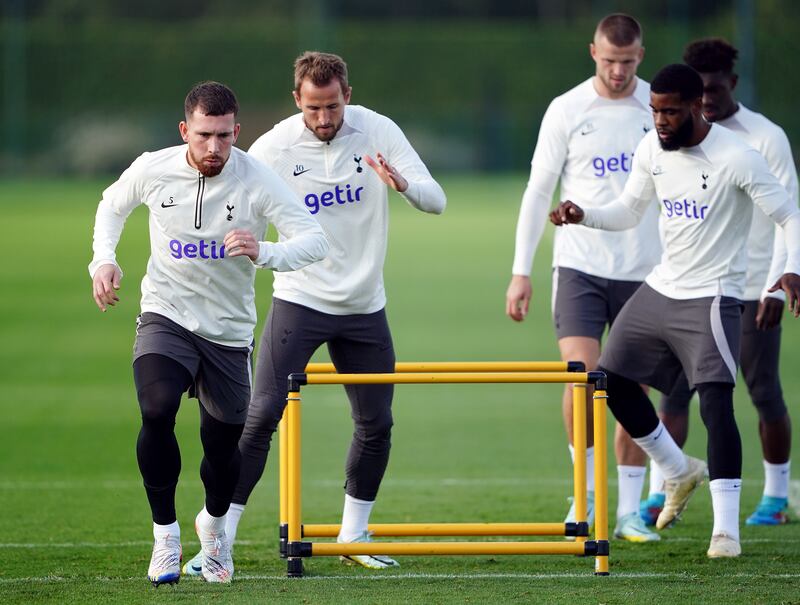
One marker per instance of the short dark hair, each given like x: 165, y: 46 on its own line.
x: 619, y: 29
x: 211, y: 99
x: 320, y: 68
x: 678, y: 78
x: 711, y: 55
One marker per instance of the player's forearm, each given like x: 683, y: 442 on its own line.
x: 107, y: 231
x: 532, y: 219
x: 619, y: 215
x: 426, y: 195
x: 294, y: 253
x: 791, y: 233
x: 777, y: 265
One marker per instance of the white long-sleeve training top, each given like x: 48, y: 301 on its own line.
x: 706, y: 195
x: 189, y: 277
x: 346, y: 196
x: 587, y: 142
x: 770, y: 140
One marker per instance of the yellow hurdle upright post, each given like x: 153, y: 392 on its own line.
x: 601, y: 478
x: 579, y: 449
x: 294, y: 534
x: 283, y: 482
x: 454, y: 373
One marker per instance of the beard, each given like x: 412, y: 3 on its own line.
x: 681, y: 136
x: 205, y: 168
x: 328, y: 134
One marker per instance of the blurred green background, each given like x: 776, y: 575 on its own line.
x: 90, y: 84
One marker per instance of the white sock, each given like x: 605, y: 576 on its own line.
x: 161, y: 531
x: 355, y: 518
x: 656, y: 479
x: 725, y: 501
x: 663, y: 450
x: 232, y: 521
x: 589, y: 465
x: 776, y: 479
x: 631, y: 482
x: 209, y: 523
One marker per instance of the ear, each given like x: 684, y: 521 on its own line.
x: 296, y: 97
x: 236, y: 129
x: 592, y: 51
x: 734, y: 81
x: 347, y: 94
x: 183, y: 128
x: 641, y: 54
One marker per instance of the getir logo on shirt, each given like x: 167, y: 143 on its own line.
x: 688, y: 209
x: 615, y: 163
x: 201, y: 249
x: 338, y: 195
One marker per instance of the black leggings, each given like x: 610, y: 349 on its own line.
x: 634, y: 411
x: 160, y: 384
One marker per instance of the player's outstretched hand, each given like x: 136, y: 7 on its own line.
x: 790, y: 283
x: 241, y: 242
x: 518, y: 297
x: 769, y: 313
x: 105, y: 283
x: 387, y: 172
x: 565, y: 213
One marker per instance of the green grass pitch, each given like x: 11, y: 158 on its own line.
x: 75, y: 524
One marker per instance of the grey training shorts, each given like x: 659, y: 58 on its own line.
x: 656, y: 337
x: 584, y: 304
x: 222, y: 375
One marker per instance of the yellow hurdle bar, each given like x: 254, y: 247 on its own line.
x: 443, y: 529
x: 579, y: 445
x: 461, y: 366
x: 601, y: 482
x: 447, y: 548
x: 449, y: 378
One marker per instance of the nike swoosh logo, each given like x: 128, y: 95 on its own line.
x: 298, y: 173
x: 659, y: 434
x: 239, y: 411
x: 163, y: 205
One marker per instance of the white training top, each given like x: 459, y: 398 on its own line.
x: 707, y: 194
x: 589, y: 141
x: 189, y: 278
x: 770, y: 140
x: 349, y: 200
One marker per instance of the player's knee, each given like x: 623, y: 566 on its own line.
x: 377, y: 429
x: 770, y: 410
x: 159, y: 402
x: 716, y: 405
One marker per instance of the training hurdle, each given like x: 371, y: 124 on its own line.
x: 292, y: 529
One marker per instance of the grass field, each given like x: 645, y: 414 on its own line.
x: 75, y: 525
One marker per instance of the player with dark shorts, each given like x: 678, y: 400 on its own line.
x: 209, y: 204
x: 686, y: 317
x: 586, y: 143
x: 761, y: 331
x: 341, y: 160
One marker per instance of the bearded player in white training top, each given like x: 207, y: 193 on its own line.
x: 714, y: 58
x: 686, y: 318
x: 586, y: 141
x: 209, y: 205
x: 341, y: 160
